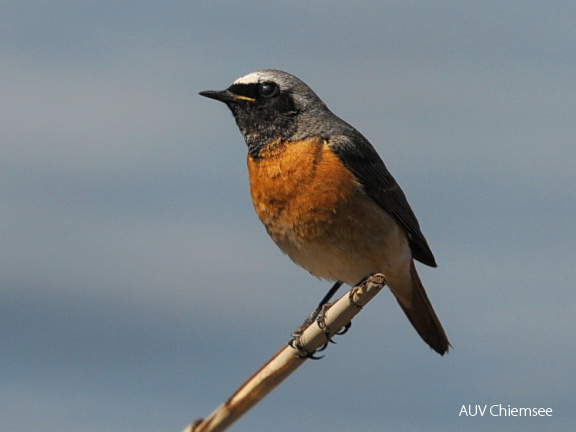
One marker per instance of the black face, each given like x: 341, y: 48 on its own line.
x: 262, y: 111
x: 269, y: 105
x: 268, y: 99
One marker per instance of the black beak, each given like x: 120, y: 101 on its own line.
x: 224, y: 96
x: 221, y: 95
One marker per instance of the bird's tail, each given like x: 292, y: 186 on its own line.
x: 422, y: 316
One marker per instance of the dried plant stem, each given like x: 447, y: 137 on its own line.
x: 290, y: 357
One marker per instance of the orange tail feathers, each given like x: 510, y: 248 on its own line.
x: 422, y: 316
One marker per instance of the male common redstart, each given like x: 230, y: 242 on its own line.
x: 325, y: 196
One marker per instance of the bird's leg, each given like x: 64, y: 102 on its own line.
x: 327, y: 297
x: 322, y: 303
x: 314, y: 315
x: 317, y: 314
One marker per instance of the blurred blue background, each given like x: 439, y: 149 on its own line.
x: 138, y: 289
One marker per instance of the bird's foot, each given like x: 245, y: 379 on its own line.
x: 318, y: 316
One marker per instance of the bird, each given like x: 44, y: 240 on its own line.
x: 325, y: 195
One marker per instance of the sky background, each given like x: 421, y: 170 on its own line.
x: 137, y: 287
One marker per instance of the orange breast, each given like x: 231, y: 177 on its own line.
x: 298, y: 188
x: 316, y: 212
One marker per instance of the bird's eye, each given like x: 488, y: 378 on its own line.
x: 268, y: 89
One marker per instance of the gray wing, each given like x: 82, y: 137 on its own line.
x: 358, y: 155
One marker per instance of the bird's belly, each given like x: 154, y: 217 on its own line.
x: 317, y: 213
x: 360, y: 240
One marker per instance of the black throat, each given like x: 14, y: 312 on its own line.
x: 261, y: 128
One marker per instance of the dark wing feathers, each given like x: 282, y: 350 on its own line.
x: 358, y: 155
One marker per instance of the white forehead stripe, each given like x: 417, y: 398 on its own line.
x: 251, y: 78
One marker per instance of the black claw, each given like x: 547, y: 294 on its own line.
x: 295, y: 343
x: 344, y: 329
x: 318, y: 316
x: 323, y: 347
x: 311, y: 356
x: 302, y: 353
